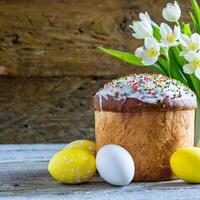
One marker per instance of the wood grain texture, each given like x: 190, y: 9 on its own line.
x: 59, y: 37
x: 24, y: 175
x: 47, y: 110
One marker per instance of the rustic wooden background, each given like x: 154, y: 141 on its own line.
x: 50, y: 67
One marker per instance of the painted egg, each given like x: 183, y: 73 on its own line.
x: 115, y: 165
x: 185, y: 164
x: 83, y: 144
x: 72, y: 166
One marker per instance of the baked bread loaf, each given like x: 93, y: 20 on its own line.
x: 151, y: 116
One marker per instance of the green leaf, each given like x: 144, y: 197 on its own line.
x: 196, y: 26
x: 159, y: 69
x: 131, y: 59
x: 196, y: 11
x: 163, y: 63
x: 176, y: 55
x: 175, y: 71
x: 186, y: 29
x: 156, y: 31
x: 127, y: 57
x: 196, y: 83
x: 195, y: 15
x: 175, y: 51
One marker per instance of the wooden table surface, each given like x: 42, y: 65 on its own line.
x: 24, y: 175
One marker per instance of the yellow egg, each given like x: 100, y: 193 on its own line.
x: 72, y: 166
x: 185, y: 164
x: 83, y: 144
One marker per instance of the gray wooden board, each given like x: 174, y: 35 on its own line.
x: 24, y: 175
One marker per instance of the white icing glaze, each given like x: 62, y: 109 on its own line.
x: 146, y: 88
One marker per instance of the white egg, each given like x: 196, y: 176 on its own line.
x: 115, y: 165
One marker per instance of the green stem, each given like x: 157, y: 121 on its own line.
x: 177, y: 23
x: 166, y: 54
x: 163, y: 64
x: 197, y: 124
x: 159, y: 69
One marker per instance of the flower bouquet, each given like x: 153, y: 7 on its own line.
x: 173, y: 52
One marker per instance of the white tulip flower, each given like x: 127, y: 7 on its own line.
x: 150, y: 52
x: 190, y: 44
x: 194, y: 64
x: 172, y: 12
x: 143, y: 28
x: 169, y: 37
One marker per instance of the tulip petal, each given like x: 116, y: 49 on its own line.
x: 137, y: 36
x: 151, y: 43
x: 139, y: 52
x: 183, y: 53
x: 165, y: 14
x: 165, y: 29
x: 189, y: 68
x: 142, y: 29
x: 184, y: 40
x: 178, y: 10
x: 149, y: 60
x: 191, y: 56
x: 172, y: 12
x: 196, y: 39
x: 197, y: 73
x: 164, y: 43
x: 136, y: 27
x: 145, y: 17
x: 172, y: 15
x: 146, y: 28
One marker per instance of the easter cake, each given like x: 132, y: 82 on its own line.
x: 149, y: 115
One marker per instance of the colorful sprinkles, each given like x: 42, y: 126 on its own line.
x: 145, y: 87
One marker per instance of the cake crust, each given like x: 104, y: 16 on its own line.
x: 150, y: 137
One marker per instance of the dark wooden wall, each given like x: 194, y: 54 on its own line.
x: 50, y: 67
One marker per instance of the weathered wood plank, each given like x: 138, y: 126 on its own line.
x: 25, y: 176
x: 49, y: 110
x: 57, y: 38
x: 28, y: 152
